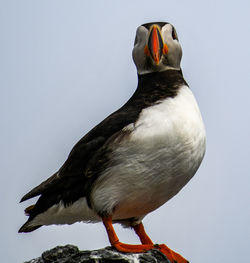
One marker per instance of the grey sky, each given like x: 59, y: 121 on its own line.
x: 65, y: 65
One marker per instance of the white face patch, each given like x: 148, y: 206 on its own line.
x: 174, y: 48
x: 166, y: 32
x: 141, y: 36
x: 138, y: 51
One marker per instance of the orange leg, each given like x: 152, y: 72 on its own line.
x: 140, y: 231
x: 114, y: 241
x: 147, y: 244
x: 173, y: 256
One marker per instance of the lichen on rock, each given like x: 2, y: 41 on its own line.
x: 71, y: 254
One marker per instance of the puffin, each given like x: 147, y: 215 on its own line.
x: 137, y: 158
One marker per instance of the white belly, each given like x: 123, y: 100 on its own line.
x: 165, y: 148
x: 163, y: 152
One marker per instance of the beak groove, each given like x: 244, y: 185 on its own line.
x: 156, y: 46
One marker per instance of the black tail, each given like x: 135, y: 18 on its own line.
x: 26, y: 228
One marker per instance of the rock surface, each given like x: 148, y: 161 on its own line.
x: 71, y: 254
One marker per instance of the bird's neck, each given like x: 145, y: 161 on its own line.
x: 160, y: 85
x: 156, y: 86
x: 168, y: 79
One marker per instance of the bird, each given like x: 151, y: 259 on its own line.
x: 137, y: 158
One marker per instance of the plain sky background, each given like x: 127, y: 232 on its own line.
x: 65, y: 65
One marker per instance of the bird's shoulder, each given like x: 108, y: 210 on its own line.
x: 86, y: 147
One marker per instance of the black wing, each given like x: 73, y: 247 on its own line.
x: 72, y: 173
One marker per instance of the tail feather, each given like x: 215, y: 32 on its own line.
x: 25, y: 228
x: 43, y: 187
x: 28, y: 210
x: 28, y: 227
x: 69, y: 206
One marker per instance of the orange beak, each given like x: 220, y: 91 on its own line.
x: 156, y: 46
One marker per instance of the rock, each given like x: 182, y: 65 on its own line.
x: 71, y: 254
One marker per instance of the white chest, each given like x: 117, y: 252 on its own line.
x: 176, y: 118
x: 164, y: 150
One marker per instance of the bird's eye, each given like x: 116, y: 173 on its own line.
x: 174, y: 35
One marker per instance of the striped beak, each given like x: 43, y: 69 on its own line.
x: 155, y: 47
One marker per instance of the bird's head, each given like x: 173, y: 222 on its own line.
x: 156, y: 48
